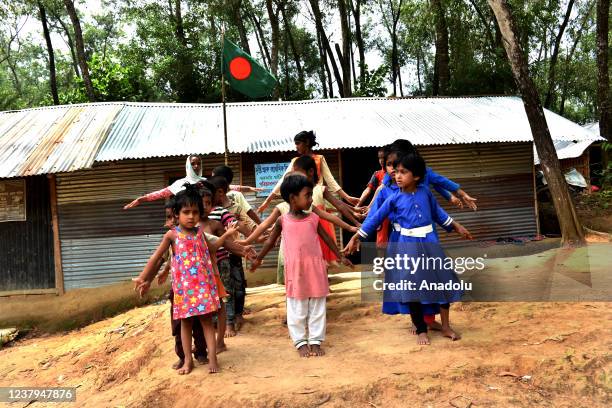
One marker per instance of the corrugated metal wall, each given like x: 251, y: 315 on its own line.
x: 248, y: 178
x: 102, y: 243
x: 500, y: 176
x: 26, y: 247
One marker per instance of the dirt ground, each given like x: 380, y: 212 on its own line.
x: 511, y: 354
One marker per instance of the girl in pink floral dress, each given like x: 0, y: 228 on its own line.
x: 197, y: 292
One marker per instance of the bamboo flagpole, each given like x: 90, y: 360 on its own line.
x: 223, y: 100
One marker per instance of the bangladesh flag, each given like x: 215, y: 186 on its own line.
x: 244, y: 73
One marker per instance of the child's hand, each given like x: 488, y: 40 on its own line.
x: 232, y: 228
x: 468, y: 200
x: 455, y: 201
x: 354, y: 229
x: 250, y: 253
x: 141, y: 286
x: 161, y: 278
x: 347, y: 262
x: 262, y: 208
x: 463, y: 231
x: 352, y: 246
x: 132, y: 204
x: 254, y: 265
x: 254, y: 189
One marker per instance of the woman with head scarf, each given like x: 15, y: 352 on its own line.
x: 193, y: 175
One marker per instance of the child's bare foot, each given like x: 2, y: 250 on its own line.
x: 213, y: 366
x: 435, y: 326
x: 203, y: 360
x: 238, y: 322
x: 177, y: 365
x: 186, y: 368
x: 316, y: 350
x: 450, y: 333
x: 304, y: 351
x: 413, y: 330
x: 423, y: 339
x: 221, y: 347
x: 230, y: 332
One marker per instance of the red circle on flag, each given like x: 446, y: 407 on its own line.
x: 240, y: 68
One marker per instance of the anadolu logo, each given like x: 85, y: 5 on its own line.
x: 240, y: 68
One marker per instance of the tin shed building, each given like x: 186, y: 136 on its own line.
x: 67, y: 171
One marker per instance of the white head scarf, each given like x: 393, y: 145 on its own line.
x: 190, y: 177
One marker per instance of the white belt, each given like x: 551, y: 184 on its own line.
x: 420, y: 232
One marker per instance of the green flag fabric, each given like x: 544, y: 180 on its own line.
x: 244, y: 73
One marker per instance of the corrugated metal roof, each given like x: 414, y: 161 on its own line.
x: 53, y: 139
x: 68, y: 138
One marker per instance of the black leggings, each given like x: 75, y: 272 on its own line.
x: 416, y: 314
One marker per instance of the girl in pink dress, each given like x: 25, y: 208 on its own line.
x: 197, y: 294
x: 305, y: 269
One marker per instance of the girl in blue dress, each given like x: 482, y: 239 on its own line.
x: 412, y: 210
x: 444, y: 186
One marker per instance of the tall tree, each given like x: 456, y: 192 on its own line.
x: 186, y: 84
x: 571, y: 230
x: 442, y: 59
x: 344, y: 56
x: 80, y: 49
x: 603, y: 78
x: 52, y: 76
x: 294, y: 50
x: 274, y: 25
x: 391, y: 13
x: 236, y: 8
x: 555, y: 56
x: 318, y: 18
x: 356, y: 10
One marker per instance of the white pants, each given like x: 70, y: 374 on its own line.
x: 306, y: 312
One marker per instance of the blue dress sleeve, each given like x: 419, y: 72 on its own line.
x: 438, y: 214
x: 375, y: 219
x: 437, y: 180
x: 443, y: 192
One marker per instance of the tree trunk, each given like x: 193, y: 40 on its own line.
x: 75, y: 62
x: 344, y: 57
x: 261, y: 41
x: 603, y: 78
x: 186, y: 86
x: 419, y: 74
x: 294, y: 51
x: 237, y: 16
x: 52, y: 76
x: 80, y: 49
x: 356, y: 9
x: 441, y: 64
x: 571, y: 230
x: 273, y: 17
x: 322, y: 65
x: 318, y: 17
x: 570, y: 56
x: 555, y: 55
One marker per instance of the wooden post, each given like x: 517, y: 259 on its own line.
x: 223, y: 99
x: 535, y: 195
x: 57, y: 249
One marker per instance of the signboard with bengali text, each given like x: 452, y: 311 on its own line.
x: 267, y: 175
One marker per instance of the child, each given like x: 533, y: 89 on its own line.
x: 386, y: 233
x: 216, y: 227
x: 306, y: 282
x: 306, y: 165
x: 413, y: 209
x: 376, y: 179
x: 196, y: 292
x: 236, y: 272
x: 237, y: 203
